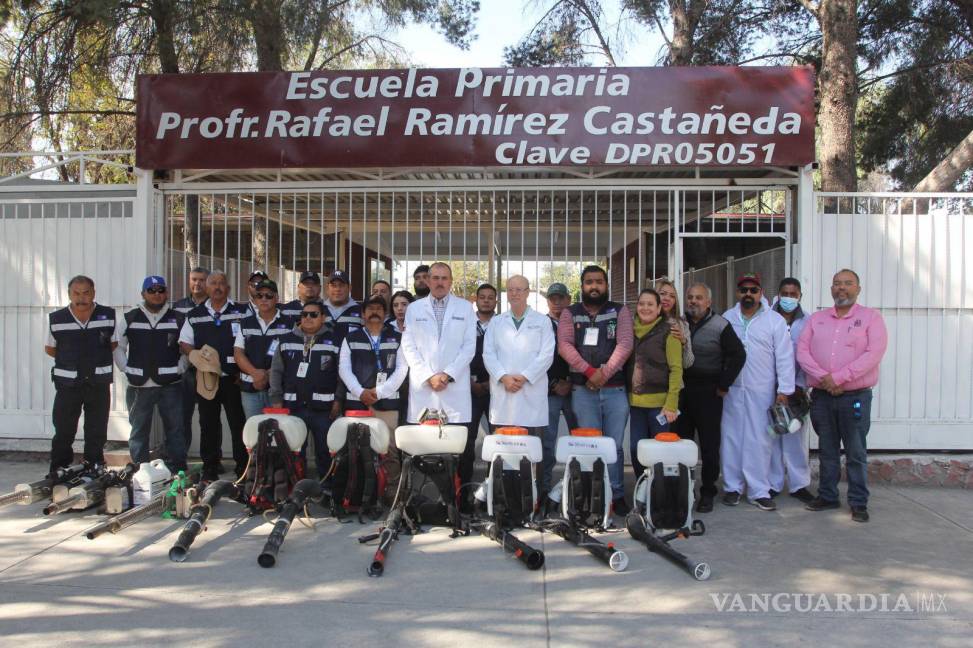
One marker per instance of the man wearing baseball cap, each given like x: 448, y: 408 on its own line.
x: 255, y: 346
x: 343, y: 311
x: 255, y: 278
x: 149, y: 356
x: 559, y: 386
x: 768, y: 373
x: 308, y: 290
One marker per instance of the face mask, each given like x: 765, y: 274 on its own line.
x: 788, y: 304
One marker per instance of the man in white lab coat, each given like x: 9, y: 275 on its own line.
x: 438, y: 344
x: 518, y: 349
x: 746, y: 446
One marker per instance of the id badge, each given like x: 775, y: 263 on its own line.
x: 380, y: 379
x: 273, y: 347
x: 235, y: 327
x: 302, y: 370
x: 591, y: 336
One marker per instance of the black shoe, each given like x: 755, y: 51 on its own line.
x: 774, y: 493
x: 859, y: 514
x: 705, y: 504
x: 731, y: 498
x: 220, y: 468
x: 764, y: 504
x: 210, y: 474
x: 818, y: 504
x: 804, y: 495
x: 620, y: 507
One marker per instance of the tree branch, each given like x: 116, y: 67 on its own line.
x: 906, y: 70
x: 43, y: 113
x: 814, y: 8
x: 583, y: 7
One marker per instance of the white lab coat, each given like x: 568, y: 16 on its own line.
x: 746, y: 446
x: 790, y: 450
x: 428, y: 354
x: 527, y: 351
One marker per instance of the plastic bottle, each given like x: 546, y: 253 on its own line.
x: 149, y: 481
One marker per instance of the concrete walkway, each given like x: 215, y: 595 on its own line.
x: 59, y: 589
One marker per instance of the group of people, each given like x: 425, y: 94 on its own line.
x: 704, y: 375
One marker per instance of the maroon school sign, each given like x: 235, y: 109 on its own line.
x: 474, y: 117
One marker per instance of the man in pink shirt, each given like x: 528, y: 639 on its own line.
x: 840, y: 350
x: 595, y: 338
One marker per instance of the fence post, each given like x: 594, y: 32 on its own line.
x: 730, y: 282
x: 143, y: 222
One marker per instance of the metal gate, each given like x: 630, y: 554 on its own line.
x: 545, y: 232
x: 51, y: 233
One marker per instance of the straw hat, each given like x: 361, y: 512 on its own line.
x: 208, y: 370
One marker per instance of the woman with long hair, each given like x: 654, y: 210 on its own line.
x: 654, y: 372
x: 400, y: 302
x: 678, y: 326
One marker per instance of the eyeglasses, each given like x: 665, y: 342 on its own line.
x: 158, y: 290
x: 265, y: 295
x: 311, y: 314
x: 753, y: 290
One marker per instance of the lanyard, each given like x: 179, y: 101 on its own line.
x: 377, y: 350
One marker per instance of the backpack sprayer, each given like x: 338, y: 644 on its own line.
x: 509, y: 492
x: 584, y: 494
x: 274, y: 440
x: 664, y: 499
x: 428, y: 490
x: 357, y: 442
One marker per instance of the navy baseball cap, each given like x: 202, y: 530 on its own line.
x: 310, y: 275
x: 151, y: 281
x: 338, y: 275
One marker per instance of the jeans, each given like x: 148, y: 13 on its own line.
x: 318, y: 423
x: 606, y: 410
x: 142, y: 402
x: 254, y: 402
x: 836, y: 424
x: 95, y: 399
x: 556, y: 405
x: 643, y: 426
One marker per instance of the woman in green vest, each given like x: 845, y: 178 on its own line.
x: 654, y: 373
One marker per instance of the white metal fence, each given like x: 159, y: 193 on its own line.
x: 47, y: 239
x: 912, y: 252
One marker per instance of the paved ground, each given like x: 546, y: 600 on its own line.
x: 58, y: 588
